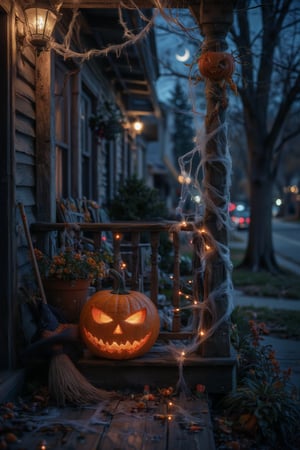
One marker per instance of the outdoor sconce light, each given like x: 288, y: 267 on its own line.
x: 40, y: 20
x: 138, y: 126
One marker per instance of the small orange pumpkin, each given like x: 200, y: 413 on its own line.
x: 216, y: 66
x: 119, y: 324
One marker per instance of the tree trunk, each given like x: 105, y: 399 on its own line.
x: 260, y: 251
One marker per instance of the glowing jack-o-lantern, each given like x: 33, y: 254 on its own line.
x: 119, y: 324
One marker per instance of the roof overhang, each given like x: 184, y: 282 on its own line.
x: 115, y: 4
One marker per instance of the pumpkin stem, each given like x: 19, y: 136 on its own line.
x: 121, y: 288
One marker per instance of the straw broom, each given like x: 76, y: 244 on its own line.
x: 65, y: 383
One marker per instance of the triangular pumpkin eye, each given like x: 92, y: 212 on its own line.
x: 137, y: 318
x: 99, y: 316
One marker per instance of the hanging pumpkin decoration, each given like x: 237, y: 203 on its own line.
x: 119, y: 324
x: 217, y: 66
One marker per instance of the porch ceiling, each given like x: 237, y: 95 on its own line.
x: 116, y: 4
x: 134, y: 71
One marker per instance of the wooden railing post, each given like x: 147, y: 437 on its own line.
x: 154, y: 266
x: 135, y: 240
x: 176, y: 283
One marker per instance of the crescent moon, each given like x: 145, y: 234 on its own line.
x: 184, y: 57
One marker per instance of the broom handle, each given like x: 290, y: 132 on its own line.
x: 33, y: 257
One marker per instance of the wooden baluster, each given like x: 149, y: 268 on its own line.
x: 135, y: 240
x: 176, y: 283
x: 97, y: 240
x: 116, y: 254
x: 197, y: 277
x: 154, y: 266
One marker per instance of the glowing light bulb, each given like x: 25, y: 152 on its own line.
x: 202, y: 333
x: 40, y: 23
x: 138, y: 126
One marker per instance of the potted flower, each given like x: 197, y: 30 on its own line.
x: 67, y: 277
x: 108, y: 121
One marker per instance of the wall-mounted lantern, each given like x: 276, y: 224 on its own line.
x: 138, y: 126
x: 40, y: 20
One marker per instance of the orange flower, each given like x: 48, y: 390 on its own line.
x: 74, y: 265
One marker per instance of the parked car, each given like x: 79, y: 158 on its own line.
x: 241, y: 219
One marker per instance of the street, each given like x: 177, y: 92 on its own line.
x: 286, y: 240
x: 286, y: 243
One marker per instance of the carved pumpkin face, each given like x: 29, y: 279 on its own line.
x: 216, y: 66
x: 119, y: 325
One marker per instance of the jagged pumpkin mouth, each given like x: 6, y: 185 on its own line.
x: 116, y: 347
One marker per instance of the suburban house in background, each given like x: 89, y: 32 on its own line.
x: 48, y: 148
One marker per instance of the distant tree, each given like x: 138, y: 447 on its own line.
x: 137, y: 201
x: 267, y: 36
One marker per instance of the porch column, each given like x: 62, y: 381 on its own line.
x: 215, y: 20
x: 45, y: 132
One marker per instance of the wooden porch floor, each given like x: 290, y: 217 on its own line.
x: 128, y: 422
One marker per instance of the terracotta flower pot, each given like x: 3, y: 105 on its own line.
x: 68, y: 296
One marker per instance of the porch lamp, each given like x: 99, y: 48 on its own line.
x: 40, y: 20
x: 138, y: 126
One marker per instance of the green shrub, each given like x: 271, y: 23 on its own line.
x: 137, y: 201
x: 264, y: 404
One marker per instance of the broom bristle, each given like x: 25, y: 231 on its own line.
x: 67, y: 385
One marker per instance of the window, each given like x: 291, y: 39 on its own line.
x: 86, y: 145
x: 62, y: 130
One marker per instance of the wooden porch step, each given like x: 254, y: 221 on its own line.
x: 159, y: 368
x: 123, y: 424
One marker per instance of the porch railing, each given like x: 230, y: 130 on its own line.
x: 133, y: 242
